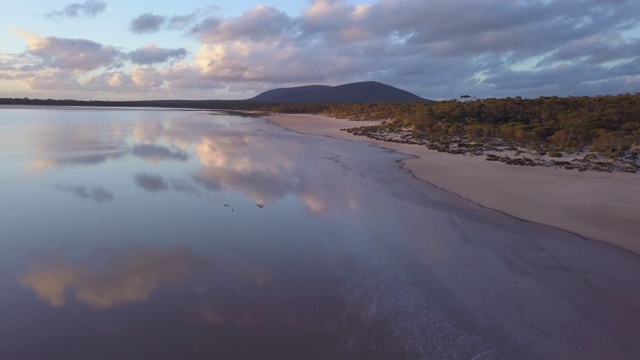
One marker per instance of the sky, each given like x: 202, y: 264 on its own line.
x: 197, y: 49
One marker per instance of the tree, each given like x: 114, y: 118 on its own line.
x: 611, y: 144
x: 561, y: 138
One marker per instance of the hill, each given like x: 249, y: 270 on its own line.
x: 360, y: 92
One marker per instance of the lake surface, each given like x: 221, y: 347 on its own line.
x: 141, y: 233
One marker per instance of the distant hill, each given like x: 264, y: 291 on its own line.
x: 360, y: 92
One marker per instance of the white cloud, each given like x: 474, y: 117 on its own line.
x: 69, y: 54
x: 116, y: 79
x: 146, y: 76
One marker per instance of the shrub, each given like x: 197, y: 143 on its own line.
x: 555, y: 153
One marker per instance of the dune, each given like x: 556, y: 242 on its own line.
x: 597, y: 206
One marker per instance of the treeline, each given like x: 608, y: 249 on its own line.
x: 608, y: 123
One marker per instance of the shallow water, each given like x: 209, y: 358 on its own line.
x: 130, y: 233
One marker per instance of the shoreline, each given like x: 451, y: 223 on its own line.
x: 604, y: 207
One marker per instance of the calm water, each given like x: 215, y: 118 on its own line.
x: 185, y: 234
x: 162, y: 234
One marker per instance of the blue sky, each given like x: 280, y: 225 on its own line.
x: 197, y: 49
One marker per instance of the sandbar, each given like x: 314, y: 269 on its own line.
x: 597, y: 206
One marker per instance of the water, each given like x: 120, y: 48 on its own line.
x: 138, y: 233
x: 181, y: 234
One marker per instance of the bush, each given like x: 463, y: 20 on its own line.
x: 555, y: 153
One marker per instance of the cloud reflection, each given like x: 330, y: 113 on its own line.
x: 263, y: 167
x: 250, y: 164
x: 235, y: 155
x: 155, y: 183
x: 151, y: 183
x: 125, y: 277
x: 44, y: 164
x: 94, y: 193
x: 75, y: 142
x: 156, y: 153
x: 266, y: 168
x: 181, y: 185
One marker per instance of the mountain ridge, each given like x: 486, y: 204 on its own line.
x: 357, y: 92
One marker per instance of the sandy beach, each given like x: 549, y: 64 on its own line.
x: 597, y: 206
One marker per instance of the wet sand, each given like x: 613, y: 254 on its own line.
x: 531, y: 291
x: 597, y: 206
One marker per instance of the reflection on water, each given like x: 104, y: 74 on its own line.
x: 127, y: 276
x: 246, y: 164
x: 151, y: 183
x: 155, y: 153
x: 173, y: 234
x: 95, y: 193
x: 45, y: 164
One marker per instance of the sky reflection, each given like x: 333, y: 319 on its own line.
x: 258, y: 165
x: 102, y: 158
x: 130, y: 275
x: 95, y: 193
x: 188, y: 235
x: 198, y: 230
x: 151, y: 183
x: 219, y: 153
x: 155, y: 153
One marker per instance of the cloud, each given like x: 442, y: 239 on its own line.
x: 87, y: 9
x: 263, y: 22
x: 115, y: 79
x: 327, y: 15
x: 123, y: 277
x: 407, y: 43
x: 95, y: 193
x: 147, y: 23
x: 146, y: 76
x: 179, y: 22
x: 151, y: 54
x: 69, y: 54
x: 438, y: 48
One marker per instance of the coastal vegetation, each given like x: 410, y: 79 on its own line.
x: 571, y: 123
x: 585, y: 133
